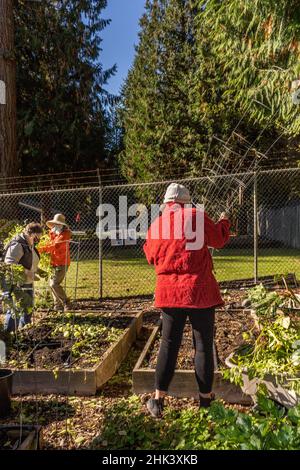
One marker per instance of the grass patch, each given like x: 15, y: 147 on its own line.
x: 133, y: 276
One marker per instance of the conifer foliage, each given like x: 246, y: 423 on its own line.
x: 161, y: 132
x: 201, y: 67
x: 62, y: 122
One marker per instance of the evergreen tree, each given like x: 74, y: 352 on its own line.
x: 62, y: 122
x: 254, y: 48
x: 204, y: 69
x: 257, y: 45
x: 162, y: 134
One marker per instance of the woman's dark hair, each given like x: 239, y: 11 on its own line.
x: 33, y: 227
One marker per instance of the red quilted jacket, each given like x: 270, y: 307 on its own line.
x: 184, y: 277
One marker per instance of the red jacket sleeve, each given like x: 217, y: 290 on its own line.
x: 48, y: 248
x: 147, y: 250
x: 216, y: 235
x: 56, y: 241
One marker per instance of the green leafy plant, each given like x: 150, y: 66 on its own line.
x: 85, y: 335
x: 13, y: 276
x: 6, y: 226
x: 263, y: 301
x: 268, y: 303
x: 126, y: 426
x: 82, y: 336
x: 45, y: 259
x: 275, y: 349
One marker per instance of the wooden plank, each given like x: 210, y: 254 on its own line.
x: 32, y: 435
x: 265, y: 280
x: 184, y: 382
x: 30, y: 443
x: 148, y: 346
x: 184, y: 385
x: 113, y: 358
x: 66, y: 382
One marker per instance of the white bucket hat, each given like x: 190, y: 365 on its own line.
x: 59, y: 219
x: 177, y: 193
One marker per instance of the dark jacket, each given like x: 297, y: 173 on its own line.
x: 18, y: 251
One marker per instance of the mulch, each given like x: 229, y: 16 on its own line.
x: 76, y: 422
x: 71, y: 423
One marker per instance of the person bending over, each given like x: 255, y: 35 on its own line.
x: 21, y: 251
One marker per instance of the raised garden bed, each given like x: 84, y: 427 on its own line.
x: 229, y: 335
x: 74, y: 354
x: 14, y: 437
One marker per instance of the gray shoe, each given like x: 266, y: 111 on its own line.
x: 155, y: 407
x: 206, y: 402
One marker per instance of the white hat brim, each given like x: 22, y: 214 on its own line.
x: 180, y: 201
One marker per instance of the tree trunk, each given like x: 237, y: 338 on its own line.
x: 8, y: 118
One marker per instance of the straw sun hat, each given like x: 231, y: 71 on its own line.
x: 59, y: 219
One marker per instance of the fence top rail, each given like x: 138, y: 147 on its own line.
x: 150, y: 183
x: 66, y: 174
x: 204, y: 178
x: 51, y: 191
x: 279, y: 170
x: 65, y: 180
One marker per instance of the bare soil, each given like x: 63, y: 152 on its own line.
x: 37, y: 347
x: 229, y: 329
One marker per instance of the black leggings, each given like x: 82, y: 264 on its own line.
x: 173, y: 322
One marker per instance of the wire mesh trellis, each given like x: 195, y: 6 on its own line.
x: 116, y: 266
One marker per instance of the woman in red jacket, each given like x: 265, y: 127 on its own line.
x: 59, y: 250
x: 185, y: 287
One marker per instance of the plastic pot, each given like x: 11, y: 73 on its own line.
x: 5, y: 391
x: 276, y: 391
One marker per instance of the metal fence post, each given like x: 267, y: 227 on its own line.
x: 255, y: 228
x: 100, y: 242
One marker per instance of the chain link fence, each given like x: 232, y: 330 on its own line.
x: 265, y: 239
x: 80, y: 207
